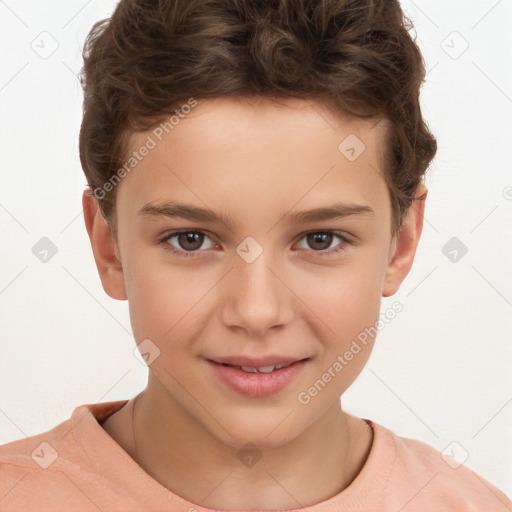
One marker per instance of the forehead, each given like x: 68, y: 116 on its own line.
x: 258, y: 155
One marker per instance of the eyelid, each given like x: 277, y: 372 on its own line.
x: 189, y: 230
x: 338, y: 232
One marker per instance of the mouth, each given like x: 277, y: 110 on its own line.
x: 257, y: 380
x: 260, y: 369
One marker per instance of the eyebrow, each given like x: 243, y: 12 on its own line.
x: 172, y: 209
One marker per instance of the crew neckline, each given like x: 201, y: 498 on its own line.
x: 106, y: 453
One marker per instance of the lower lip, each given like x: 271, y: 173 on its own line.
x: 257, y: 385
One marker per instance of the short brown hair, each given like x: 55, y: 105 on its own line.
x: 151, y: 56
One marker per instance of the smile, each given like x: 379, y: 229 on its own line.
x: 257, y: 381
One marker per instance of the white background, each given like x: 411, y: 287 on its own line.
x: 441, y: 373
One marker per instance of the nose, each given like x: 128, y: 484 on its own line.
x: 256, y: 297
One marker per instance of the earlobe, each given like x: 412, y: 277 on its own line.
x: 404, y: 245
x: 104, y: 248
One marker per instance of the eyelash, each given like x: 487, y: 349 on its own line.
x: 193, y: 254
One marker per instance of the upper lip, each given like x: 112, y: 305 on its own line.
x: 256, y: 362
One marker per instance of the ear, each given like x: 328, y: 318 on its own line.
x: 404, y: 245
x: 104, y: 247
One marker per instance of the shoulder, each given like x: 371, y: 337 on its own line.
x: 428, y: 479
x: 33, y: 466
x: 51, y: 470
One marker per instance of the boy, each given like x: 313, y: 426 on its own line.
x: 262, y: 130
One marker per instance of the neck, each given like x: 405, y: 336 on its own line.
x: 185, y: 458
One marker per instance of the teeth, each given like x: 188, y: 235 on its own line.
x: 263, y: 369
x: 266, y: 369
x: 248, y: 369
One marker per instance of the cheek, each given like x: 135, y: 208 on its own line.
x: 345, y: 299
x: 346, y: 305
x: 164, y: 299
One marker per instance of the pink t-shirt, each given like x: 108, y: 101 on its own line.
x: 78, y: 467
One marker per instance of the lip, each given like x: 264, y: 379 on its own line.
x: 256, y: 362
x: 257, y: 385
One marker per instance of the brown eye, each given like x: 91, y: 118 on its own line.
x: 186, y: 241
x: 190, y: 241
x: 319, y: 241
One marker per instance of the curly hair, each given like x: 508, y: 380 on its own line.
x: 151, y: 56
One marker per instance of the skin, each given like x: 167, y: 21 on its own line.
x: 254, y: 160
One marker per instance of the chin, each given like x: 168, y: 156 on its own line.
x: 264, y: 432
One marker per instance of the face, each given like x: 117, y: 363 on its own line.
x: 262, y: 282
